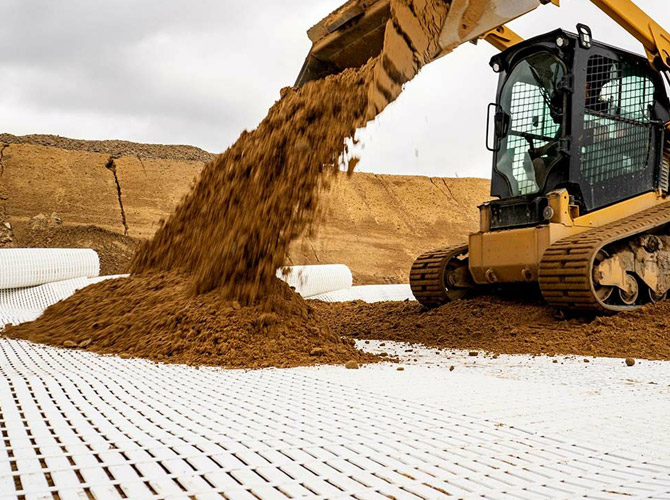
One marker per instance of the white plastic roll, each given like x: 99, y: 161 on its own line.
x: 368, y: 293
x: 314, y: 280
x: 23, y: 267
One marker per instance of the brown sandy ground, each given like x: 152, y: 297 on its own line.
x: 510, y: 325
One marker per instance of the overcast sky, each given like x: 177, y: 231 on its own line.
x: 200, y: 71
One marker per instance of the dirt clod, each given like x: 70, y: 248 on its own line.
x: 69, y: 343
x: 351, y: 365
x: 630, y: 361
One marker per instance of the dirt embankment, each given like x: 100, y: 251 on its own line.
x: 114, y: 148
x: 375, y: 224
x: 55, y: 197
x: 378, y: 224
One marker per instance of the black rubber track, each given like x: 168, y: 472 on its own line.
x: 427, y: 275
x: 566, y: 268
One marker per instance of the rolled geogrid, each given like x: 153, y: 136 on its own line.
x: 314, y: 280
x: 24, y: 267
x: 368, y: 293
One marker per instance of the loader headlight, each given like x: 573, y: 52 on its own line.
x: 561, y: 42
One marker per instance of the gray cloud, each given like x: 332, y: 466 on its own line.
x: 199, y: 72
x: 196, y: 72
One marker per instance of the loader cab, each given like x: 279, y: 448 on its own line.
x: 576, y: 114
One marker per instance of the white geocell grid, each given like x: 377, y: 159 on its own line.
x: 75, y: 424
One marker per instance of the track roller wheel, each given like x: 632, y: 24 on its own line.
x: 602, y: 292
x: 654, y: 297
x: 629, y: 296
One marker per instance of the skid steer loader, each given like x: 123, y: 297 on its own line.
x: 581, y: 153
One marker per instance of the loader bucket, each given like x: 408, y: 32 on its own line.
x: 354, y: 33
x: 346, y: 38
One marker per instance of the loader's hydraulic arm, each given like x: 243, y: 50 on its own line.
x: 648, y: 32
x: 502, y: 38
x: 355, y: 32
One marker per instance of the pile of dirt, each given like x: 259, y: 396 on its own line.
x: 113, y: 147
x: 233, y: 229
x: 155, y: 316
x: 514, y: 325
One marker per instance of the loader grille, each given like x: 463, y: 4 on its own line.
x: 664, y: 175
x: 531, y: 118
x: 617, y: 120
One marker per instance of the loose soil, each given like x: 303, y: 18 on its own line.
x: 232, y: 231
x: 513, y: 325
x: 155, y: 316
